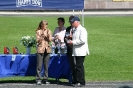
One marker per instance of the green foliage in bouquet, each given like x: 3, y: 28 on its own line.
x: 28, y: 41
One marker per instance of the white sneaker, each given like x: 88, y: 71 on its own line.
x: 47, y: 82
x: 38, y: 83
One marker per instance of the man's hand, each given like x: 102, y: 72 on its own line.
x: 70, y: 42
x: 69, y: 37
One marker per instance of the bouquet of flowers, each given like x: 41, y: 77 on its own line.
x: 28, y: 41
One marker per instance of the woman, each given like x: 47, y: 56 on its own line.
x: 43, y: 37
x: 59, y: 32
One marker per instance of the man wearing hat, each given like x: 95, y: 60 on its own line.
x: 80, y: 50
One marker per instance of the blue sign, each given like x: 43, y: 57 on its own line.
x: 41, y: 4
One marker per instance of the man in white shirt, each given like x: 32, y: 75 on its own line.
x: 80, y: 50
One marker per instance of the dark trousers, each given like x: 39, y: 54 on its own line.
x: 72, y: 67
x: 79, y: 69
x: 42, y: 59
x: 72, y: 63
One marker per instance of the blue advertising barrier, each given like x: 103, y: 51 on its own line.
x: 41, y: 4
x: 25, y: 65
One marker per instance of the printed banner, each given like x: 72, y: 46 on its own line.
x: 41, y: 4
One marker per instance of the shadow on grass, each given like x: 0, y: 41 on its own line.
x: 30, y: 80
x: 17, y: 81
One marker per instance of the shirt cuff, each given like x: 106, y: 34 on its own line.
x: 74, y: 42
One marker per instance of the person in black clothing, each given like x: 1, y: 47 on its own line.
x: 68, y: 37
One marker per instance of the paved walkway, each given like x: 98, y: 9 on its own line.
x: 66, y: 85
x: 88, y: 13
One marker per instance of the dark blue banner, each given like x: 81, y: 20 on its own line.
x: 41, y: 4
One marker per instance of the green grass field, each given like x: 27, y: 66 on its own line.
x: 110, y: 43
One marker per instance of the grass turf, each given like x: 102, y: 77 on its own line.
x: 110, y: 43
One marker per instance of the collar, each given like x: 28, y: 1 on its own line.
x: 63, y: 28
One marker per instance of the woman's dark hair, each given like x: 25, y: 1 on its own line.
x: 62, y: 20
